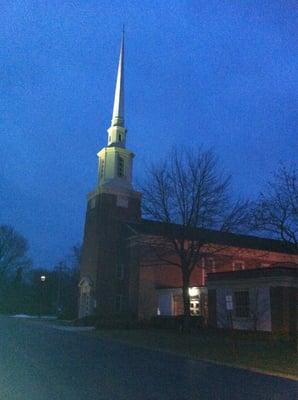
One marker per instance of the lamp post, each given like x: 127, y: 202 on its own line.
x: 42, y: 281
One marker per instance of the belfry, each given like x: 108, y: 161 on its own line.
x: 105, y: 281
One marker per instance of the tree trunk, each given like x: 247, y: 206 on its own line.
x: 186, y: 301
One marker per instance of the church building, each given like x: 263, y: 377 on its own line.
x: 105, y: 287
x: 116, y: 278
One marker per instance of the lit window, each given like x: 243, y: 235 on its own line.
x: 120, y: 167
x: 241, y: 304
x: 194, y: 307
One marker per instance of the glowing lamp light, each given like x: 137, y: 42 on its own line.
x: 43, y: 278
x: 193, y: 291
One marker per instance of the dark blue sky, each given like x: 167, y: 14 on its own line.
x: 218, y: 73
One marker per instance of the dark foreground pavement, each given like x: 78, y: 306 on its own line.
x: 38, y: 362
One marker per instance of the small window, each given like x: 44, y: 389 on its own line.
x: 120, y: 270
x: 120, y: 137
x: 102, y: 167
x: 203, y: 266
x: 241, y: 304
x: 210, y: 264
x: 120, y: 167
x: 238, y: 265
x: 194, y: 307
x: 118, y: 302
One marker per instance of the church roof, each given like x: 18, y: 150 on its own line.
x: 269, y: 272
x: 157, y: 228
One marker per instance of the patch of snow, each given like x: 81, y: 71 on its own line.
x: 73, y: 328
x: 47, y: 317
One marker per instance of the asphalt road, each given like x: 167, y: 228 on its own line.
x: 38, y: 362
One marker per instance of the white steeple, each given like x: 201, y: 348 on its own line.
x: 118, y: 110
x: 117, y: 131
x: 115, y: 161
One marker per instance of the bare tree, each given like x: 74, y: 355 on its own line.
x: 13, y: 251
x: 276, y: 211
x: 186, y: 192
x: 76, y: 254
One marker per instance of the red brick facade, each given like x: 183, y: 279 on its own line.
x: 110, y: 245
x: 104, y: 257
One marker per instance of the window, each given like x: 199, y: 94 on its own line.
x: 238, y: 265
x: 120, y: 137
x: 120, y: 167
x: 241, y: 304
x: 203, y: 271
x: 210, y: 264
x: 118, y: 302
x: 263, y: 265
x: 120, y: 270
x: 194, y: 307
x: 102, y: 167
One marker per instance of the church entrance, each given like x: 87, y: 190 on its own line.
x: 85, y: 300
x: 170, y: 301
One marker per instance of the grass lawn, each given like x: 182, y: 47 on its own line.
x: 266, y: 355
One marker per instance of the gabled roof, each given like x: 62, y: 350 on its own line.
x: 156, y: 228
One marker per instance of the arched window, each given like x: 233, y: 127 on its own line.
x: 102, y: 167
x: 121, y: 171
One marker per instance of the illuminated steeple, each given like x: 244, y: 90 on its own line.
x: 115, y: 161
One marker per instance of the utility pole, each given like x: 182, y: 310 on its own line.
x: 58, y: 310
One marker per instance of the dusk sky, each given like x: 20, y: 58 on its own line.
x: 222, y: 74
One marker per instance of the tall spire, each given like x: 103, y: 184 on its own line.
x: 118, y: 109
x: 115, y: 161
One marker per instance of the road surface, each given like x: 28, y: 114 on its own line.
x: 39, y: 362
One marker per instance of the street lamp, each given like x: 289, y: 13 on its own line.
x: 42, y: 280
